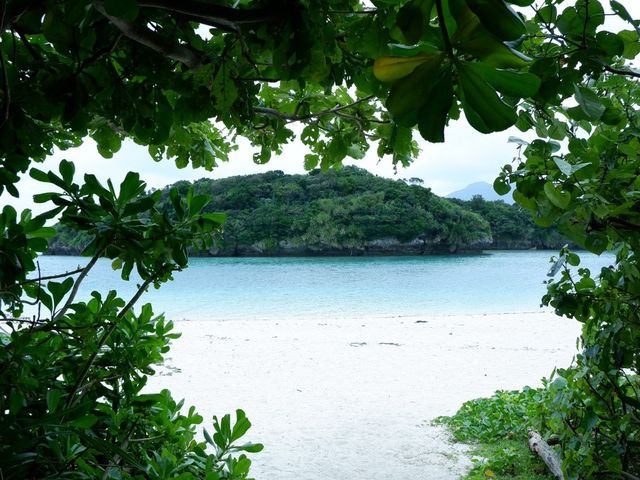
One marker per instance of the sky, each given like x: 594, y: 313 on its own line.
x: 466, y: 157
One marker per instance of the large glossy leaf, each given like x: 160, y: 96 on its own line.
x: 484, y: 109
x: 589, y: 102
x: 514, y: 84
x: 408, y: 94
x: 432, y: 117
x: 557, y: 196
x: 498, y: 18
x: 412, y: 19
x: 390, y: 69
x: 491, y: 50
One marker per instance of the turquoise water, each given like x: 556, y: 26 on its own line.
x: 351, y: 287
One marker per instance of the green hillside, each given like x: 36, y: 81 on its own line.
x: 346, y: 212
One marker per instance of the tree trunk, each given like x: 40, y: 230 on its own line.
x: 547, y: 454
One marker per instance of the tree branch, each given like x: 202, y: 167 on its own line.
x: 76, y: 286
x: 620, y: 71
x: 152, y: 40
x: 297, y: 118
x: 218, y: 16
x: 51, y: 277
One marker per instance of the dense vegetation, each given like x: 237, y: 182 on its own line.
x: 497, y: 429
x: 355, y: 75
x: 512, y: 227
x: 346, y: 212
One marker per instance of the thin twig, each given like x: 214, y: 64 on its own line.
x: 620, y: 71
x: 76, y: 286
x: 51, y: 277
x: 297, y: 118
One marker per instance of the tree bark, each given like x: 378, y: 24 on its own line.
x: 546, y: 453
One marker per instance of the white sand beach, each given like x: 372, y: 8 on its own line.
x: 353, y: 399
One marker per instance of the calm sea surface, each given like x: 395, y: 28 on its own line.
x: 352, y: 287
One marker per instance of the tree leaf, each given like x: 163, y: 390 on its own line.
x: 558, y: 197
x: 408, y: 94
x: 589, y: 102
x: 390, y: 69
x: 485, y: 111
x: 501, y: 187
x: 514, y: 84
x: 125, y: 9
x: 432, y: 117
x: 498, y: 18
x: 412, y: 19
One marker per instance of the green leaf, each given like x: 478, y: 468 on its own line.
x: 108, y: 141
x: 501, y: 187
x: 249, y: 447
x: 432, y: 117
x: 390, y: 69
x: 413, y: 18
x: 39, y: 175
x: 126, y: 9
x: 218, y: 218
x: 563, y: 165
x: 59, y: 290
x: 44, y: 197
x: 573, y: 259
x: 569, y: 22
x: 558, y: 197
x: 631, y: 44
x: 498, y: 18
x: 621, y: 11
x: 44, y: 232
x: 485, y: 111
x: 67, y: 170
x: 514, y: 84
x: 486, y: 47
x: 611, y: 43
x: 87, y: 421
x: 311, y: 161
x: 207, y: 436
x: 241, y: 426
x: 589, y: 102
x: 130, y: 187
x: 53, y: 399
x: 596, y: 243
x: 408, y: 94
x: 547, y: 14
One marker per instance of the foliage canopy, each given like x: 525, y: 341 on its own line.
x: 354, y: 76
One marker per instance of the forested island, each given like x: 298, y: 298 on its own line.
x: 347, y: 212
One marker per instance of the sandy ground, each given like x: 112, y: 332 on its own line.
x: 353, y: 399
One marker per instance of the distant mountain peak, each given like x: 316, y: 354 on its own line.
x: 484, y: 189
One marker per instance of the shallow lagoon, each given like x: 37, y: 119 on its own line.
x: 352, y: 287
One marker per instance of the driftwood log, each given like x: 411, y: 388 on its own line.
x: 546, y: 453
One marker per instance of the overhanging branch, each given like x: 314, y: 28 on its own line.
x: 152, y: 40
x: 219, y: 16
x: 272, y: 112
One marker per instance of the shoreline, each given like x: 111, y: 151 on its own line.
x: 353, y: 398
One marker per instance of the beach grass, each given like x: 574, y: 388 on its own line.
x: 496, y: 428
